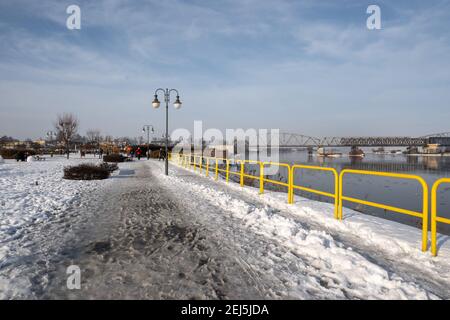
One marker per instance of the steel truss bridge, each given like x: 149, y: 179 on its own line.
x: 294, y: 140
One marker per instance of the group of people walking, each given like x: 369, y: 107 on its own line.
x: 139, y: 153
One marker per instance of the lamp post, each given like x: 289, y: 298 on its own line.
x: 147, y: 128
x: 50, y: 135
x: 177, y: 105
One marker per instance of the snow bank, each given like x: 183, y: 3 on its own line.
x: 2, y: 161
x: 30, y: 159
x: 375, y: 231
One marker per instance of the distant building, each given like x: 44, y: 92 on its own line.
x: 14, y: 144
x: 433, y: 149
x: 40, y: 142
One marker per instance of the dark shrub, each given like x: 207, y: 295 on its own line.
x: 114, y: 158
x: 86, y: 172
x: 111, y: 167
x: 17, y: 154
x: 21, y: 156
x: 8, y: 153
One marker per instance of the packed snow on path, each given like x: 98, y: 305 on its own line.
x: 143, y: 235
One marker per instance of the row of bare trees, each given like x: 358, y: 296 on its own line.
x: 67, y: 126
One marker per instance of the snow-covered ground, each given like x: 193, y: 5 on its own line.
x: 32, y: 192
x: 141, y: 234
x: 34, y: 195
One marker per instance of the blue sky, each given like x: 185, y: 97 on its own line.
x: 310, y: 67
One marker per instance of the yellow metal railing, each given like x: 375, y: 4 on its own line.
x: 434, y: 217
x: 244, y: 175
x: 226, y: 170
x: 334, y: 195
x: 196, y: 161
x: 280, y: 165
x: 423, y: 214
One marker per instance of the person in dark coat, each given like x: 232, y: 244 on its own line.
x: 162, y: 154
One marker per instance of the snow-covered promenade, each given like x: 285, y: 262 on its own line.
x: 143, y: 235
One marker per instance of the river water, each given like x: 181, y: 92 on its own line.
x: 406, y: 194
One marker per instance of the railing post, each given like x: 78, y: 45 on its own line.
x: 242, y: 173
x: 291, y: 186
x: 336, y: 194
x: 433, y: 218
x: 261, y: 177
x: 227, y: 169
x: 425, y: 216
x: 201, y: 164
x: 217, y: 169
x: 207, y: 167
x: 340, y: 191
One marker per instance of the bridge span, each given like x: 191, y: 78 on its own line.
x: 294, y: 140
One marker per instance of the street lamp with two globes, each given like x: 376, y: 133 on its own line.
x: 177, y: 105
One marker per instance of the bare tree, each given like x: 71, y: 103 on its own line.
x: 108, y: 139
x: 66, y: 126
x: 93, y: 137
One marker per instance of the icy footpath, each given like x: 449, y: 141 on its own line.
x: 362, y: 257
